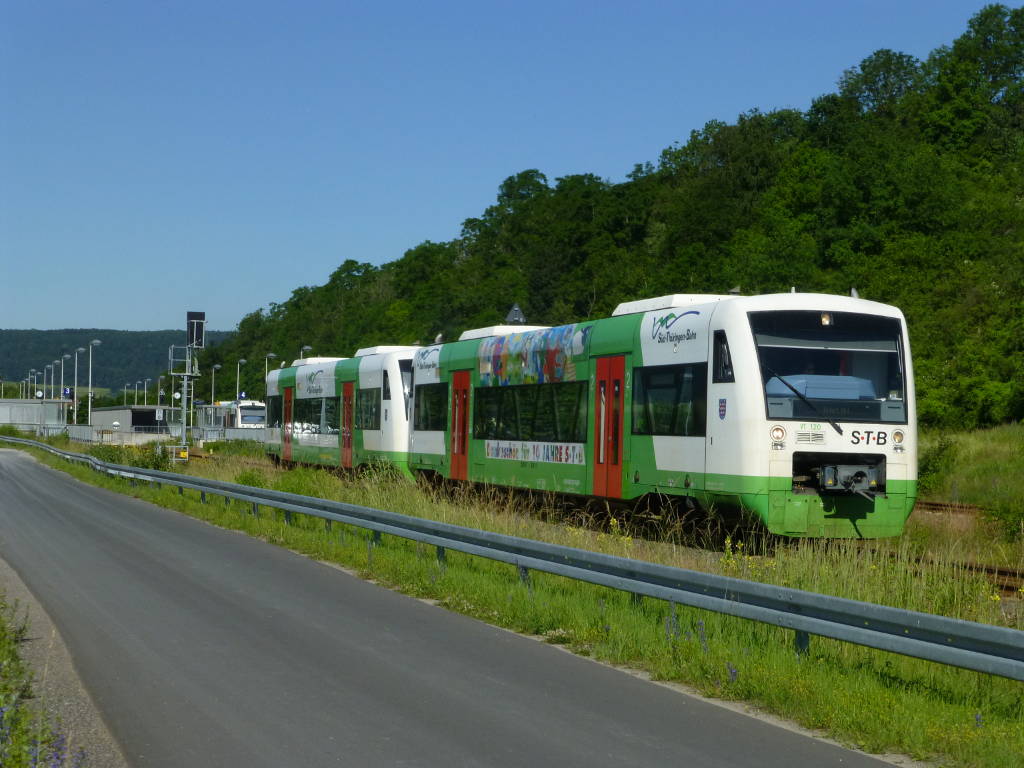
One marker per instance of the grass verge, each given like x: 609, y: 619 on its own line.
x: 870, y: 699
x: 26, y: 738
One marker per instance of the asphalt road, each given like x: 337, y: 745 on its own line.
x: 203, y: 647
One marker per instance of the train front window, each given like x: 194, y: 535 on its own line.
x: 841, y: 366
x: 253, y: 414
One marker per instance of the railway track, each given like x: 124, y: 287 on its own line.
x: 947, y: 507
x: 1009, y: 581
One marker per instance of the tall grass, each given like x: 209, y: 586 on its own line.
x: 27, y: 739
x: 983, y: 468
x: 881, y: 702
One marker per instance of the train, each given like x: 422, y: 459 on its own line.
x: 797, y: 409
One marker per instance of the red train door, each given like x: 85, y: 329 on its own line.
x: 609, y: 397
x: 347, y: 412
x: 460, y: 425
x: 286, y: 431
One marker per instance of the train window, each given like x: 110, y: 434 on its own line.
x: 307, y: 415
x: 368, y: 408
x: 571, y: 411
x: 430, y: 407
x: 545, y: 423
x: 387, y: 387
x: 721, y: 370
x: 537, y: 412
x: 840, y: 366
x: 670, y: 400
x: 274, y: 411
x: 405, y: 369
x: 330, y: 419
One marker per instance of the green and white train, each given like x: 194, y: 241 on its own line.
x: 798, y: 408
x: 342, y: 412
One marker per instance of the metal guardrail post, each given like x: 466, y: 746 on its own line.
x: 801, y: 642
x: 524, y: 574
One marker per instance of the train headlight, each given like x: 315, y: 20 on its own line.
x: 778, y: 433
x: 897, y: 437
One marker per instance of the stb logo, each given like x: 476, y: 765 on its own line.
x: 721, y: 408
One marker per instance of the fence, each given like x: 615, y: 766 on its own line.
x: 83, y: 433
x: 966, y: 644
x: 210, y: 434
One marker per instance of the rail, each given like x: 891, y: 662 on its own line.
x: 955, y: 642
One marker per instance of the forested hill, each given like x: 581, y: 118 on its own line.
x: 122, y: 356
x: 907, y: 183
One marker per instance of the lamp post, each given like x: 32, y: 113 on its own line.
x: 145, y: 392
x: 63, y: 357
x: 213, y: 382
x: 48, y: 367
x: 74, y: 406
x: 266, y: 370
x: 93, y: 343
x: 126, y: 393
x: 32, y: 385
x: 238, y: 371
x: 137, y: 392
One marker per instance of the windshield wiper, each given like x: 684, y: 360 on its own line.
x: 799, y: 394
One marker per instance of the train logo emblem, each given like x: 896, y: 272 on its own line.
x: 721, y: 407
x: 661, y: 325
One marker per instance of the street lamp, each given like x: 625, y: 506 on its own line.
x: 53, y: 379
x: 93, y: 343
x: 213, y: 382
x: 145, y: 392
x: 304, y: 350
x: 126, y: 393
x: 48, y: 367
x: 64, y: 412
x: 74, y: 406
x: 32, y: 378
x: 266, y: 370
x: 238, y: 371
x: 137, y: 392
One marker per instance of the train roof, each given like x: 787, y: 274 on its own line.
x: 666, y: 302
x: 765, y: 301
x: 380, y: 350
x: 316, y: 360
x: 499, y: 330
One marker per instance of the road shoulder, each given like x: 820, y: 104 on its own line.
x: 56, y: 683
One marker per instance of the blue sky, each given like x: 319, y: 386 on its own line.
x: 158, y: 157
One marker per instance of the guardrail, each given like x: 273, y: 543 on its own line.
x: 970, y: 645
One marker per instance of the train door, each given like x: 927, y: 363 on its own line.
x: 460, y: 425
x: 609, y: 399
x: 347, y: 414
x: 286, y: 432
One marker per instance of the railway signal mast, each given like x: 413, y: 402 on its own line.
x: 182, y: 362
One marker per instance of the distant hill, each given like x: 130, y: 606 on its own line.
x: 123, y: 356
